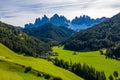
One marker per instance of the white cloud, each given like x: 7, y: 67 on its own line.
x: 17, y: 12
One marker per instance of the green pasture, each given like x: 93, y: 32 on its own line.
x: 92, y: 58
x: 36, y: 63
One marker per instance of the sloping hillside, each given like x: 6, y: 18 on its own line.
x: 12, y: 71
x: 49, y: 32
x: 36, y: 63
x: 103, y: 35
x: 21, y: 42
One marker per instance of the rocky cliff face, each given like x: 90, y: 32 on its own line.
x: 78, y: 23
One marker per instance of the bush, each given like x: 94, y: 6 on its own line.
x: 110, y: 77
x: 115, y: 73
x: 27, y: 69
x: 101, y: 52
x: 47, y: 76
x: 74, y: 53
x: 57, y: 78
x: 39, y: 74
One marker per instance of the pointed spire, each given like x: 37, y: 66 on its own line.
x: 45, y: 17
x: 55, y: 15
x: 37, y: 21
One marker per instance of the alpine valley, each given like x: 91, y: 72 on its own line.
x: 56, y: 48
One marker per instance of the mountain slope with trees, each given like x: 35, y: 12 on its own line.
x: 113, y: 52
x: 21, y: 42
x: 103, y: 35
x: 49, y: 33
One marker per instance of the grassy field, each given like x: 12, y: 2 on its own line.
x: 93, y: 58
x: 11, y: 71
x: 36, y: 63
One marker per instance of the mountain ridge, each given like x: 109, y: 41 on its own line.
x: 49, y: 32
x: 78, y: 23
x: 102, y: 35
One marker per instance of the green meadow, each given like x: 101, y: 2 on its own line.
x: 12, y: 71
x: 93, y: 58
x: 9, y: 57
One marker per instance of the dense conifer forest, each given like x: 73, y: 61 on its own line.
x: 21, y: 42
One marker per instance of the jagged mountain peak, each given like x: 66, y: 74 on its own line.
x: 45, y: 17
x: 37, y: 20
x: 78, y: 23
x: 55, y: 15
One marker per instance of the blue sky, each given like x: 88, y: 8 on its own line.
x: 19, y: 12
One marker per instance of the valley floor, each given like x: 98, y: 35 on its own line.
x: 93, y: 58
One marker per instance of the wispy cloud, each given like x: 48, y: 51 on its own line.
x: 9, y: 16
x: 19, y: 12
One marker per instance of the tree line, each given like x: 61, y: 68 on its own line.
x: 114, y: 52
x: 84, y: 71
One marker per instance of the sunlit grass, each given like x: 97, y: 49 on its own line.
x: 36, y: 63
x: 92, y: 58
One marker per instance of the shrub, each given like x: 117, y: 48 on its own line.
x: 101, y: 51
x: 74, y: 53
x: 57, y: 78
x: 115, y: 73
x: 110, y: 77
x: 47, y: 76
x: 27, y: 69
x: 39, y: 74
